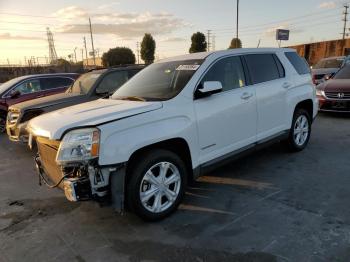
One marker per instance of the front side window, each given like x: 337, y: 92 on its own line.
x: 228, y: 71
x: 263, y: 68
x: 159, y: 81
x: 112, y: 82
x: 85, y: 82
x: 28, y: 87
x: 55, y: 82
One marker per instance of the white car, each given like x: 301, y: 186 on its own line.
x: 173, y: 121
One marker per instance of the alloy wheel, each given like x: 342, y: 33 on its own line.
x: 160, y: 187
x: 301, y: 130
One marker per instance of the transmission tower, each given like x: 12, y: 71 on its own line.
x: 52, y: 50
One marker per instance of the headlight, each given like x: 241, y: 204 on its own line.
x: 78, y: 146
x: 320, y: 93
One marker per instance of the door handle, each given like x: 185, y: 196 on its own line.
x: 39, y: 96
x: 286, y: 85
x: 246, y: 95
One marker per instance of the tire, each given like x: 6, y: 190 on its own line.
x: 299, y: 134
x: 155, y: 183
x: 2, y: 122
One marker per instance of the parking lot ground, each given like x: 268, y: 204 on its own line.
x: 269, y: 206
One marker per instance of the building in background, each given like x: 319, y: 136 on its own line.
x: 314, y: 52
x: 89, y: 63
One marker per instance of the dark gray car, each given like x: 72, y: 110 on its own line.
x: 88, y: 87
x: 326, y: 67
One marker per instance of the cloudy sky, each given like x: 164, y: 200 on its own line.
x: 23, y: 24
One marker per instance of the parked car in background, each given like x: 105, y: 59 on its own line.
x: 30, y: 87
x: 334, y: 95
x: 326, y: 68
x: 171, y: 122
x: 90, y: 86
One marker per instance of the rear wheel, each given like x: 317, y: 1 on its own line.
x: 300, y: 131
x: 2, y: 122
x: 157, y: 185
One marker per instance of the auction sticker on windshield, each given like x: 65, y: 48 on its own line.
x: 187, y: 67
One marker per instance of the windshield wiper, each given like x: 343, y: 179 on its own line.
x: 132, y: 98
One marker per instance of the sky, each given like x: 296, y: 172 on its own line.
x: 115, y: 23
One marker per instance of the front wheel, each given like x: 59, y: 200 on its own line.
x: 300, y: 131
x: 157, y: 184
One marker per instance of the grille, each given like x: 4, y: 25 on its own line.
x: 338, y: 95
x: 13, y: 116
x: 48, y: 151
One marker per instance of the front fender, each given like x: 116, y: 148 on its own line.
x: 117, y: 147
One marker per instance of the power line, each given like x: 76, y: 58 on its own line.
x: 280, y: 21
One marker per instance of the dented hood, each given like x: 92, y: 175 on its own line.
x: 53, y: 125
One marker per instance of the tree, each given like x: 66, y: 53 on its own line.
x: 235, y: 43
x: 148, y: 47
x: 118, y: 56
x: 199, y: 44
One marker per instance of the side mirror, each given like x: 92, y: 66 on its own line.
x: 15, y: 94
x: 208, y: 88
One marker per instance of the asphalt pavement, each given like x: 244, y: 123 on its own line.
x: 269, y: 206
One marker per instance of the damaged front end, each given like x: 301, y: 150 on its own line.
x: 72, y: 165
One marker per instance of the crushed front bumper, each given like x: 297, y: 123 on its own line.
x: 17, y: 132
x: 81, y: 181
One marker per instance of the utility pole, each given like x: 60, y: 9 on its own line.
x: 237, y: 19
x: 208, y: 42
x: 75, y: 54
x: 345, y: 19
x: 138, y: 52
x: 259, y: 43
x: 86, y: 55
x: 92, y: 43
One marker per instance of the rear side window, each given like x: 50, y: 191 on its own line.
x: 298, y: 63
x: 264, y: 67
x: 55, y: 82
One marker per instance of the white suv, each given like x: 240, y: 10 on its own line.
x: 173, y: 121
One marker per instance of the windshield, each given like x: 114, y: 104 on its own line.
x: 5, y: 86
x: 343, y: 73
x: 84, y: 83
x: 329, y: 63
x: 158, y: 82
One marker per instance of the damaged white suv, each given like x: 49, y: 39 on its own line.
x: 173, y: 121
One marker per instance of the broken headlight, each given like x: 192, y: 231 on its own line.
x: 79, y: 146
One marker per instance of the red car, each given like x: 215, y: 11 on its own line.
x: 29, y: 87
x: 334, y: 94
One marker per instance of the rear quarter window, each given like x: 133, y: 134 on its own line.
x: 300, y: 64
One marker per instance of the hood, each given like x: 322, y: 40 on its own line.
x: 53, y: 100
x: 324, y: 71
x: 53, y: 125
x: 336, y: 85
